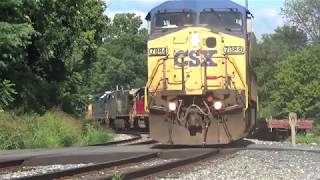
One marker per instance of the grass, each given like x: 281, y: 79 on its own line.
x: 52, y: 130
x: 95, y: 135
x: 308, y: 139
x: 313, y: 137
x: 117, y: 175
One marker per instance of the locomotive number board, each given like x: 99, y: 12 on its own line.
x: 158, y: 51
x: 233, y: 50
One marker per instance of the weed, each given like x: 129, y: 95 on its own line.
x: 313, y: 137
x: 308, y: 139
x: 53, y: 129
x: 117, y: 175
x: 93, y: 134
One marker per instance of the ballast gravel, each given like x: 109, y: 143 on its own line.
x: 255, y: 164
x: 285, y: 144
x: 121, y: 137
x: 37, y: 170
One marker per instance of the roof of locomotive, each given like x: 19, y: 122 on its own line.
x: 197, y: 6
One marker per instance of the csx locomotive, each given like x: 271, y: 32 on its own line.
x: 201, y: 88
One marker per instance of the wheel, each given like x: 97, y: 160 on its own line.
x: 141, y: 124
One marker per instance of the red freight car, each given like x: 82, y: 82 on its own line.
x: 139, y: 117
x: 283, y: 124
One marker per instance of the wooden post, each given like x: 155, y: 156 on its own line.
x: 293, y: 123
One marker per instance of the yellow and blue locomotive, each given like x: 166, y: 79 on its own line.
x: 201, y: 87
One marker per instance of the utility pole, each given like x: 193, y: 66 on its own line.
x: 247, y: 6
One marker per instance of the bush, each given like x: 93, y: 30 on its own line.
x: 74, y: 104
x: 297, y: 84
x: 313, y: 137
x: 53, y: 129
x: 308, y: 139
x: 12, y: 133
x: 95, y: 135
x: 6, y: 93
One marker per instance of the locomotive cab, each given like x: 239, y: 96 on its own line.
x: 219, y: 20
x: 201, y: 88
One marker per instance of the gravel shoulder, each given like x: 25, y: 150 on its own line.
x: 35, y: 170
x: 251, y: 164
x: 121, y: 137
x: 255, y: 164
x: 284, y: 144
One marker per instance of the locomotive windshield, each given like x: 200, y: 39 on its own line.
x: 174, y: 19
x: 222, y: 20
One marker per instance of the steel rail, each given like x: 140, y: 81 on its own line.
x: 270, y: 148
x: 134, y: 138
x: 257, y: 147
x: 95, y: 167
x: 147, y: 171
x: 203, y: 153
x: 11, y: 163
x: 19, y: 162
x: 140, y: 172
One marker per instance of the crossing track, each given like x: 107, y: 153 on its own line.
x: 71, y: 172
x: 10, y: 165
x: 173, y: 159
x: 137, y: 138
x: 137, y: 166
x: 154, y: 159
x: 134, y: 137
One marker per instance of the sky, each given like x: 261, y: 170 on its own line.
x: 266, y: 12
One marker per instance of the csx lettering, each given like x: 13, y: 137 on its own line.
x: 194, y: 59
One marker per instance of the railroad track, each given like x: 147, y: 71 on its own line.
x: 11, y: 163
x: 143, y: 164
x: 132, y: 167
x: 136, y: 139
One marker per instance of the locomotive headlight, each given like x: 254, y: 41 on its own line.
x: 217, y: 105
x: 172, y: 106
x: 195, y: 39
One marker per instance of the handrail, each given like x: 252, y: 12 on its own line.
x: 155, y: 70
x: 149, y: 83
x: 241, y: 79
x: 237, y: 70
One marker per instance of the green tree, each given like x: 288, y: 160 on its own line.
x: 305, y: 15
x: 297, y: 83
x: 15, y: 36
x: 45, y: 48
x: 57, y: 52
x: 268, y: 53
x: 15, y: 33
x: 7, y: 92
x: 122, y: 57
